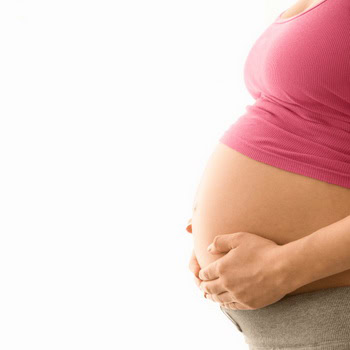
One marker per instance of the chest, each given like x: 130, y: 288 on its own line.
x: 299, y: 7
x: 307, y: 57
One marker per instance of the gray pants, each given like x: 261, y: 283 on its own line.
x: 314, y: 320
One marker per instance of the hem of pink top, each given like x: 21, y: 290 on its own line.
x: 291, y: 165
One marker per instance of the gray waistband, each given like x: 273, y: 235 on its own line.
x: 314, y: 320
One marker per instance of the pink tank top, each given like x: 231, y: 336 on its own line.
x: 298, y: 72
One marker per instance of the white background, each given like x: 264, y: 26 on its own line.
x: 108, y: 113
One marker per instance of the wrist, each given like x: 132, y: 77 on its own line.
x: 298, y: 266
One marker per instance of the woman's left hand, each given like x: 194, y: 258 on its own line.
x: 250, y: 276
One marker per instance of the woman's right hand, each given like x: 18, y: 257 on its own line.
x: 195, y: 268
x: 194, y: 265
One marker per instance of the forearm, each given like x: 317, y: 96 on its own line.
x: 323, y: 253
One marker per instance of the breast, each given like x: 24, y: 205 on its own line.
x: 237, y: 193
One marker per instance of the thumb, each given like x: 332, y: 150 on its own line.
x: 224, y: 243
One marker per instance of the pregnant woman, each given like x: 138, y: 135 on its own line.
x: 282, y: 172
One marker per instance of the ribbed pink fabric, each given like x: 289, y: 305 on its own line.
x: 298, y: 71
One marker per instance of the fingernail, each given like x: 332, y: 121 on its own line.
x: 210, y: 247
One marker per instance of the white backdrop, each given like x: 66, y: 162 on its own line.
x: 108, y: 113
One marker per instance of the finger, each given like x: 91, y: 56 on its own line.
x: 213, y: 286
x: 210, y: 272
x: 236, y: 306
x: 209, y: 296
x: 231, y: 306
x: 224, y: 243
x: 223, y: 298
x: 197, y: 281
x: 220, y: 298
x: 193, y: 264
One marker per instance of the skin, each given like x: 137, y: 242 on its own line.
x: 228, y: 279
x: 232, y: 198
x: 316, y: 216
x: 299, y: 7
x: 245, y: 281
x: 249, y: 282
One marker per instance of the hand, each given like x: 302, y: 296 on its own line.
x: 250, y: 276
x: 193, y: 265
x: 195, y: 268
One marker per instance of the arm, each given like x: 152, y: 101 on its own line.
x: 323, y: 253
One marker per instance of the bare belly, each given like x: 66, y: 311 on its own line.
x: 237, y: 193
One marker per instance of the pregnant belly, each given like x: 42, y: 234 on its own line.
x: 237, y: 193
